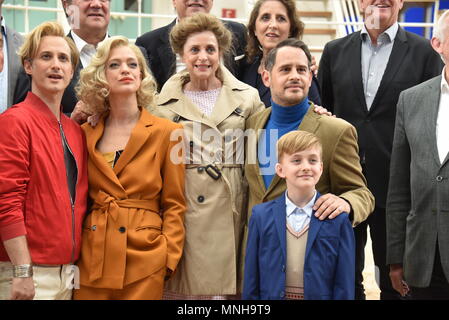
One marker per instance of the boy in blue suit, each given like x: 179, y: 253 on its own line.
x: 290, y: 253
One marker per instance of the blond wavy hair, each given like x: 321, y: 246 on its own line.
x: 31, y: 44
x: 93, y: 88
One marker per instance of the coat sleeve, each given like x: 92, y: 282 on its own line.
x: 14, y: 175
x: 348, y: 181
x: 345, y: 272
x: 398, y: 199
x: 173, y: 199
x: 325, y: 80
x: 251, y: 290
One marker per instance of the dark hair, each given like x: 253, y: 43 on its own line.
x: 295, y: 43
x: 296, y: 26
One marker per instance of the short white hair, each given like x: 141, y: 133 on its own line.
x: 441, y: 28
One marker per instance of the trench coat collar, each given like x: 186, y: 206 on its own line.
x: 227, y: 102
x: 139, y: 135
x: 310, y: 123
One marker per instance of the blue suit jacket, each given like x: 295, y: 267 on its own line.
x: 329, y: 261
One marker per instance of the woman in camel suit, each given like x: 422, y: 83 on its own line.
x: 134, y: 234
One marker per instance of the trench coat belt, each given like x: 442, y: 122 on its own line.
x: 219, y: 166
x: 106, y: 206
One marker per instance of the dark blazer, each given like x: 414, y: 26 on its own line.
x: 328, y: 263
x: 13, y: 42
x: 163, y: 59
x: 411, y: 62
x: 250, y: 75
x: 418, y: 197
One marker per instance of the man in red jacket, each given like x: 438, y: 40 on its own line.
x: 43, y: 176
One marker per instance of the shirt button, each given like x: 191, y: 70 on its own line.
x: 283, y: 268
x: 122, y: 229
x: 439, y: 178
x: 191, y: 143
x: 200, y: 199
x: 93, y: 228
x: 368, y: 94
x: 282, y: 294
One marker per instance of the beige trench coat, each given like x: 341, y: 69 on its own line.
x: 216, y: 209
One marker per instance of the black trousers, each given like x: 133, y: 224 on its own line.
x: 439, y: 286
x: 377, y: 224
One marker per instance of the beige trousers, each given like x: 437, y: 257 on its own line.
x: 50, y: 282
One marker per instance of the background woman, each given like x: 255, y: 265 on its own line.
x: 270, y: 22
x: 212, y: 106
x: 133, y: 236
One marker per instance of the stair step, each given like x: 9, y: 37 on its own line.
x: 317, y: 14
x: 332, y: 32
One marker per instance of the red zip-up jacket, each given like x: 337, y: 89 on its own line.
x: 34, y: 194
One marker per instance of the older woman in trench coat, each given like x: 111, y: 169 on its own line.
x: 212, y: 106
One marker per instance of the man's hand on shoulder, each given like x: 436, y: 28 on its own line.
x: 330, y: 206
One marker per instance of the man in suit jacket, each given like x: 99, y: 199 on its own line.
x: 12, y: 40
x: 361, y: 76
x: 418, y: 196
x: 342, y: 183
x: 163, y: 61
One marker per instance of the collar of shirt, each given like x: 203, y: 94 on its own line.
x: 386, y: 36
x: 444, y: 84
x: 291, y: 207
x: 82, y: 45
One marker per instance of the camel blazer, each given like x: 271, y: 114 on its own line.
x: 135, y: 226
x: 216, y: 208
x: 342, y: 173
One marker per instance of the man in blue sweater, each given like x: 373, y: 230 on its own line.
x: 342, y: 184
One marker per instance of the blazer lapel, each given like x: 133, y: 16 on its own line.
x: 430, y: 119
x: 259, y: 126
x: 280, y: 218
x: 139, y: 136
x: 400, y: 48
x: 355, y: 55
x: 93, y: 135
x: 166, y: 53
x: 314, y: 227
x: 14, y: 43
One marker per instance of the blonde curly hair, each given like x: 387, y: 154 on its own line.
x: 93, y: 88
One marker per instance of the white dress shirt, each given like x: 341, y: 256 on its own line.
x: 298, y: 218
x: 85, y: 49
x: 443, y: 119
x: 375, y: 59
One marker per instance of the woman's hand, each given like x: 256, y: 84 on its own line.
x: 79, y: 114
x: 322, y: 111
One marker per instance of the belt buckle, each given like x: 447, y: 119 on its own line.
x: 213, y: 172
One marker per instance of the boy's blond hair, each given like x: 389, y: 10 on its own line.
x: 297, y: 141
x: 28, y: 50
